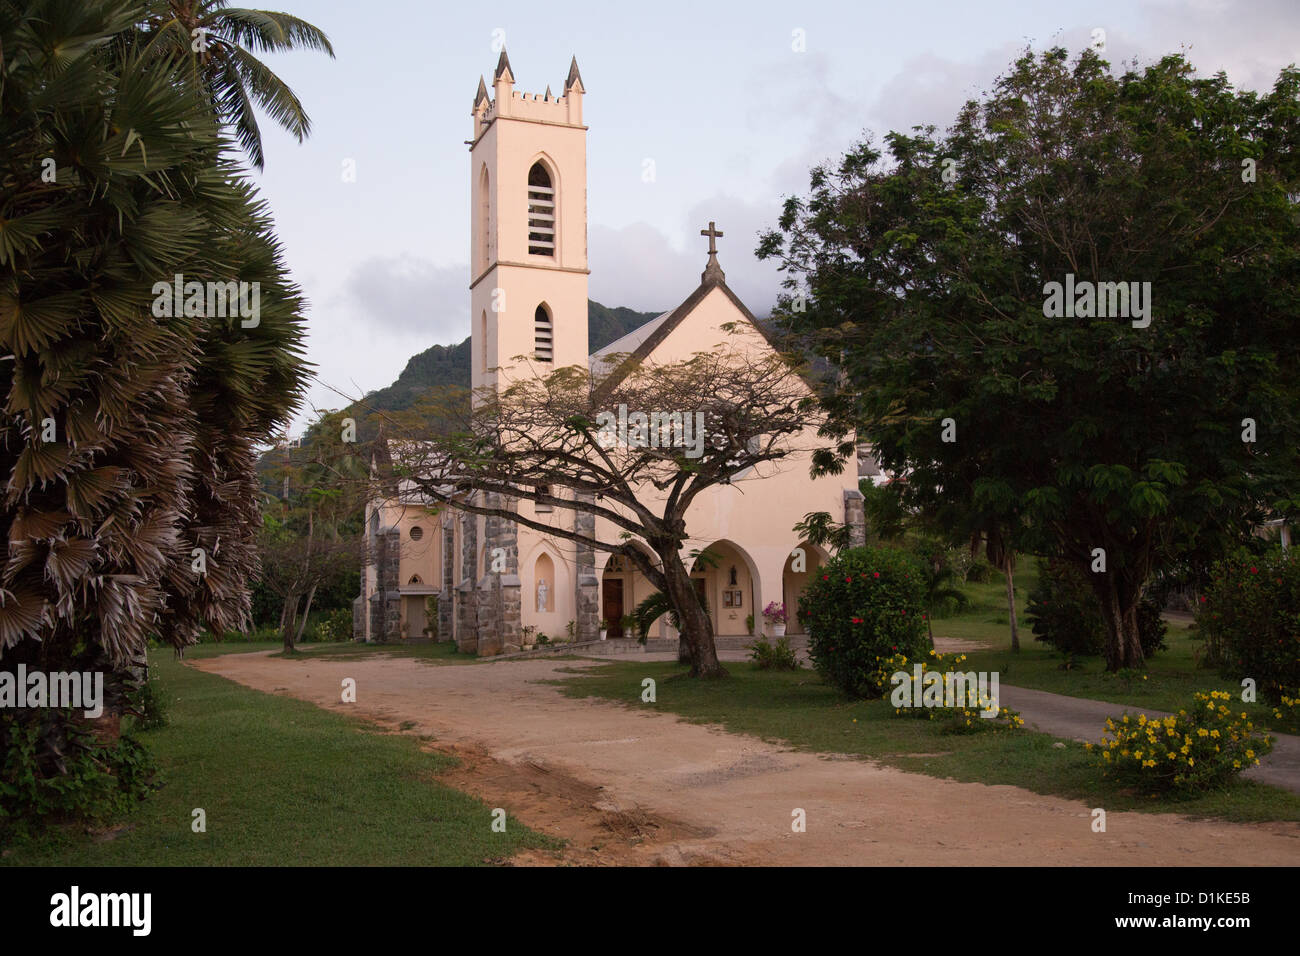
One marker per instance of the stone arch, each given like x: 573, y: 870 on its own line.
x: 544, y: 560
x: 729, y: 618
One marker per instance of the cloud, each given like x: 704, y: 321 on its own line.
x: 408, y: 294
x: 641, y: 267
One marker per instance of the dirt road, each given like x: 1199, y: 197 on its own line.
x: 630, y: 787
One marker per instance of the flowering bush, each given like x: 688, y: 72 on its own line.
x: 1188, y: 751
x: 1250, y: 616
x: 965, y: 717
x: 866, y: 605
x: 775, y: 613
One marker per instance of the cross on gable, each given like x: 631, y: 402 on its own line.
x: 714, y: 235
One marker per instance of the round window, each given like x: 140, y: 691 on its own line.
x: 417, y: 533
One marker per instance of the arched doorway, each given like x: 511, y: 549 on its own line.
x: 801, y: 564
x: 727, y: 578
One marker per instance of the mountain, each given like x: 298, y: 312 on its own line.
x: 449, y: 364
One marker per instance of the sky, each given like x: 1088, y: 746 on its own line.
x: 733, y: 102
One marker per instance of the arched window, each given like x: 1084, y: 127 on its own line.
x: 484, y: 225
x: 541, y: 212
x: 415, y: 579
x: 543, y: 335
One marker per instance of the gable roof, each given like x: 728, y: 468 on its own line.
x: 646, y: 338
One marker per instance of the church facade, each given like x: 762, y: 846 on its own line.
x: 430, y: 573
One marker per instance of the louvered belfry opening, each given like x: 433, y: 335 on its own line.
x: 544, y: 335
x: 541, y: 212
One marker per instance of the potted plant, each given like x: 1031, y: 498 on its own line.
x: 749, y: 625
x: 528, y: 630
x: 774, y: 614
x: 572, y: 629
x: 604, y: 630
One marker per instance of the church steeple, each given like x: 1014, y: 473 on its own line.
x: 528, y: 179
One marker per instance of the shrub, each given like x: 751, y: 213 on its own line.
x: 964, y: 717
x: 1188, y: 751
x: 776, y: 657
x: 980, y: 571
x: 867, y: 605
x: 147, y: 704
x: 334, y: 626
x: 1250, y: 616
x: 1063, y: 612
x: 91, y: 780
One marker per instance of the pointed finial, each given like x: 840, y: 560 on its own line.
x: 482, y: 94
x: 712, y: 271
x: 503, y: 67
x: 548, y: 92
x: 575, y: 78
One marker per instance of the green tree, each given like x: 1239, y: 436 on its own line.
x: 217, y: 42
x: 129, y: 427
x: 925, y: 278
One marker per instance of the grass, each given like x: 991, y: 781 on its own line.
x: 283, y: 782
x: 796, y: 708
x: 1167, y: 683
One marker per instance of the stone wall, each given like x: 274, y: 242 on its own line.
x: 855, y: 517
x: 499, y: 612
x: 446, y: 600
x: 587, y: 597
x: 466, y: 596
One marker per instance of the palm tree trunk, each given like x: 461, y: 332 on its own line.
x: 302, y: 621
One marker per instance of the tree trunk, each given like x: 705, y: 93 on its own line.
x: 289, y: 620
x: 697, y: 629
x: 1119, y: 603
x: 302, y: 621
x: 1010, y: 569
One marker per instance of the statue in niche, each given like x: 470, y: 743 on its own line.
x: 542, y: 591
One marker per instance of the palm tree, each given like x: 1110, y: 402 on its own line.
x: 222, y: 41
x: 128, y: 432
x: 938, y: 577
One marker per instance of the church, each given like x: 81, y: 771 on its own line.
x: 426, y: 573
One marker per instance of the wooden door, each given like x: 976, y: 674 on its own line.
x: 611, y: 605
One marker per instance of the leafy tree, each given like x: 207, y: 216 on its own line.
x: 217, y: 43
x: 925, y: 279
x: 315, y: 538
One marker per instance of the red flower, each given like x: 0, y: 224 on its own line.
x: 857, y: 620
x: 904, y: 613
x: 875, y: 574
x: 1252, y: 570
x: 848, y: 580
x: 895, y: 647
x: 826, y: 577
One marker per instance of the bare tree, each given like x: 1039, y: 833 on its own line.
x: 635, y: 451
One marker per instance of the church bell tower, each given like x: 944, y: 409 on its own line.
x: 528, y: 261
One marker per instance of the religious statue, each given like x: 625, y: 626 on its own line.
x: 542, y: 589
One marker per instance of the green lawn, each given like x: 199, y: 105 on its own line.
x: 798, y: 709
x: 1168, y: 681
x: 284, y: 783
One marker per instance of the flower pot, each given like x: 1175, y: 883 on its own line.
x: 603, y: 633
x: 778, y: 630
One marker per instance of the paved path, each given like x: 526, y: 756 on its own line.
x: 1076, y: 718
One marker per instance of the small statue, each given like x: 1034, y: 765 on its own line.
x: 542, y: 590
